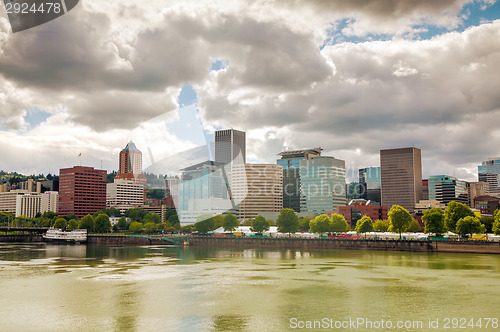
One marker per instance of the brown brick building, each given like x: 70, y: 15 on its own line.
x: 359, y: 208
x: 82, y: 190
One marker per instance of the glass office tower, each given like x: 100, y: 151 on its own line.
x: 323, y: 186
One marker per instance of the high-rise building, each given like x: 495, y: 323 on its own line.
x: 445, y: 188
x: 82, y: 191
x: 28, y: 205
x: 369, y: 181
x: 401, y: 177
x: 323, y: 186
x: 489, y: 171
x: 202, y: 188
x: 425, y: 189
x: 8, y: 200
x: 475, y: 189
x: 259, y: 186
x: 290, y: 161
x: 130, y: 167
x: 229, y: 143
x: 124, y: 194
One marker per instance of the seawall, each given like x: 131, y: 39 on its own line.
x: 368, y: 244
x: 20, y: 238
x: 472, y: 247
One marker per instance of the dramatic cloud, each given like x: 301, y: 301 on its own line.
x: 350, y: 76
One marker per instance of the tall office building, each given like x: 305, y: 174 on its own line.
x: 124, y: 194
x: 229, y: 143
x: 259, y: 186
x: 489, y: 171
x: 401, y: 177
x: 369, y: 181
x: 322, y: 186
x: 445, y: 188
x: 130, y: 167
x: 290, y: 161
x: 202, y: 188
x: 82, y: 191
x: 8, y: 200
x: 476, y: 189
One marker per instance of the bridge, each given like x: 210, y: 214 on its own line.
x: 37, y: 230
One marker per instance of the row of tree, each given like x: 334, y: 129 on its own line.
x: 457, y: 218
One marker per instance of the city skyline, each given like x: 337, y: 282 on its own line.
x: 354, y: 79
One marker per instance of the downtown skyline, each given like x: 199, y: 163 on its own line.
x: 350, y: 78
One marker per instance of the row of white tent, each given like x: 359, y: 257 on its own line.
x: 273, y: 232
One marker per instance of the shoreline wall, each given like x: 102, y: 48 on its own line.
x: 473, y: 247
x: 295, y: 243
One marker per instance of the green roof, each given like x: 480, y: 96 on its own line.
x: 131, y: 147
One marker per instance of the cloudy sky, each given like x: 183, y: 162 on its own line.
x: 352, y: 77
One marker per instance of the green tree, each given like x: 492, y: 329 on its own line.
x: 434, y: 221
x: 151, y: 217
x: 247, y: 222
x: 364, y: 225
x: 44, y: 222
x: 259, y: 225
x: 187, y: 229
x: 60, y: 223
x: 155, y: 193
x: 304, y: 223
x: 469, y: 225
x: 339, y: 223
x: 72, y: 224
x: 219, y: 221
x: 136, y: 214
x: 87, y: 223
x: 205, y: 223
x: 173, y: 219
x: 122, y: 223
x: 112, y: 212
x: 135, y: 227
x: 287, y: 221
x: 454, y: 212
x: 149, y: 227
x: 381, y: 225
x: 49, y: 214
x: 488, y: 221
x: 230, y: 222
x: 70, y: 216
x: 400, y: 219
x: 321, y: 224
x: 162, y: 227
x: 496, y: 224
x: 415, y: 226
x: 102, y: 223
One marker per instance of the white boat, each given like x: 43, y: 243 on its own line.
x: 59, y: 236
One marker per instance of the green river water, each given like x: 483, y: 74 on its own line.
x: 155, y: 288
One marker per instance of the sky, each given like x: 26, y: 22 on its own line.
x: 352, y: 77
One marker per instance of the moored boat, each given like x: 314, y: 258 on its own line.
x: 55, y: 235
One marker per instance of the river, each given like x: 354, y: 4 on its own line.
x: 155, y: 288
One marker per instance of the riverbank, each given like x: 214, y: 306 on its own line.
x: 289, y: 243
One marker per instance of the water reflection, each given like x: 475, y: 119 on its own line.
x: 199, y: 288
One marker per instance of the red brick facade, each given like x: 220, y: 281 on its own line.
x: 82, y: 191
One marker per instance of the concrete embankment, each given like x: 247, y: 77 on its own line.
x: 477, y: 247
x: 294, y: 243
x: 20, y: 238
